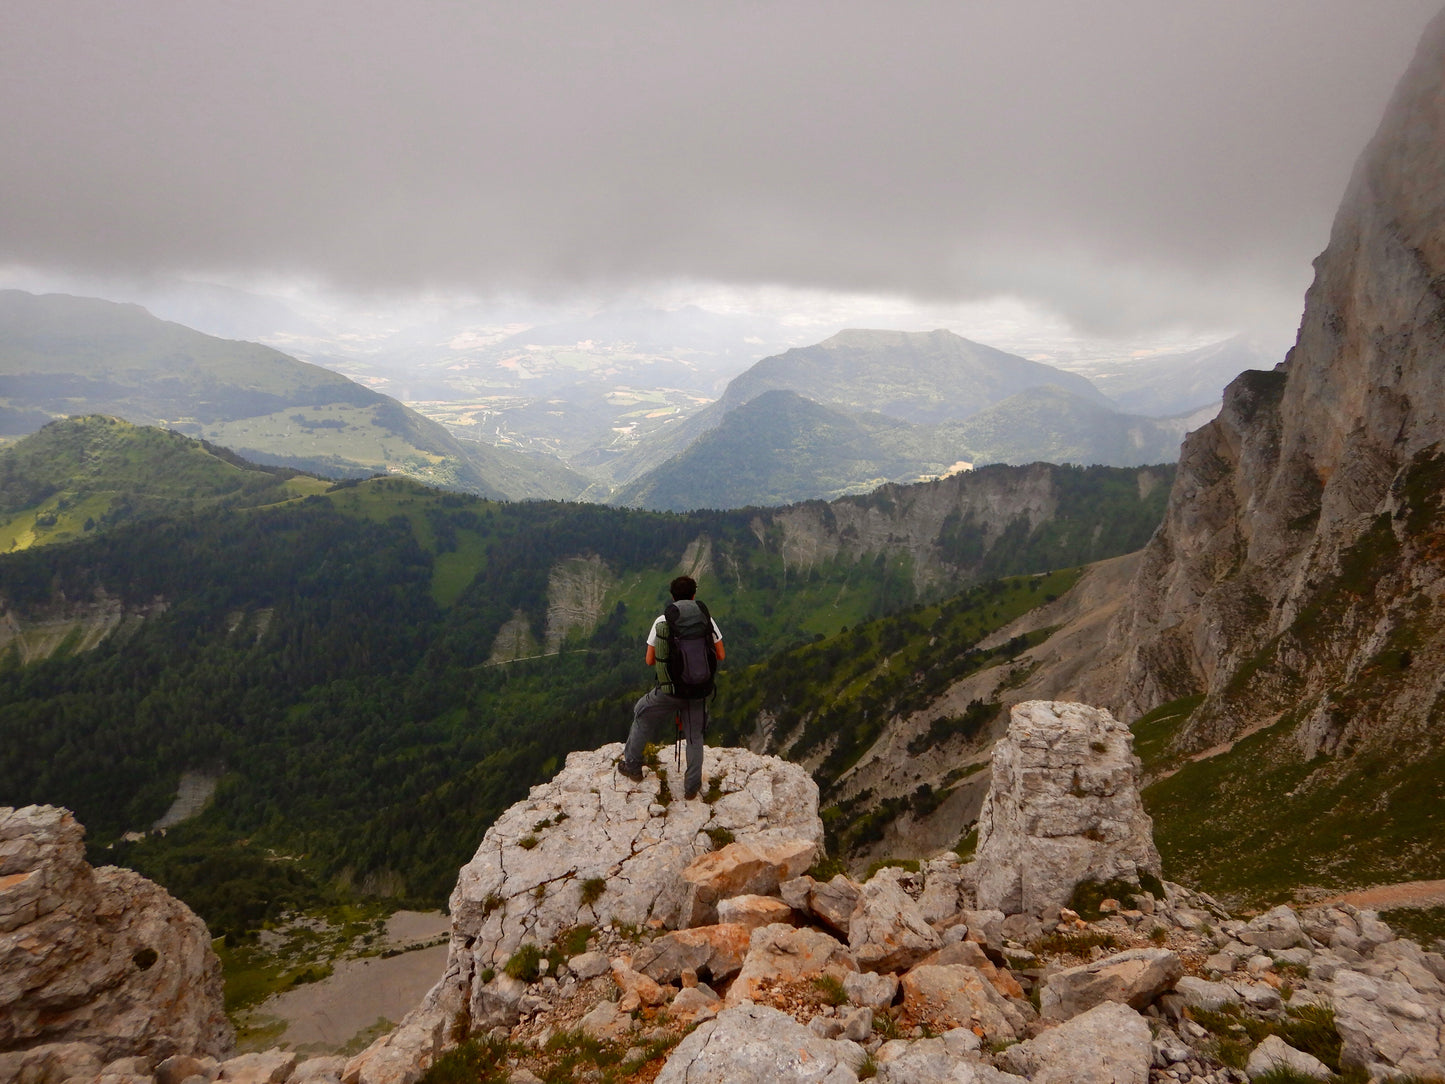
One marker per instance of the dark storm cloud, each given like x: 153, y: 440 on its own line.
x: 1124, y: 160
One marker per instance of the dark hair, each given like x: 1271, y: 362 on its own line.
x: 683, y: 587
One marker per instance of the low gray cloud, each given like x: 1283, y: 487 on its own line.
x: 1125, y: 162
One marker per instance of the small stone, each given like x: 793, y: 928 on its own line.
x: 858, y: 1025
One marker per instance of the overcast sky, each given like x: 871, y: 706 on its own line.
x: 1123, y: 163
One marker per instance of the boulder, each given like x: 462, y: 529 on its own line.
x: 942, y: 890
x: 1274, y: 1054
x: 754, y: 911
x: 404, y: 1055
x: 739, y: 869
x: 693, y: 1001
x: 1275, y: 930
x: 101, y: 956
x: 887, y: 931
x: 834, y: 902
x: 181, y: 1067
x: 1062, y: 808
x: 956, y: 996
x: 935, y: 1061
x: 588, y: 847
x: 787, y: 954
x: 606, y: 1023
x: 1132, y: 978
x: 970, y: 954
x: 1387, y: 1027
x: 755, y: 1044
x: 51, y: 1061
x: 322, y: 1070
x: 268, y: 1067
x: 588, y: 965
x: 637, y: 989
x: 1202, y: 994
x: 1109, y: 1044
x: 716, y: 952
x: 870, y: 989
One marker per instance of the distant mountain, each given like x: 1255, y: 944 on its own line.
x: 932, y: 376
x: 62, y: 355
x: 779, y: 448
x: 919, y: 377
x: 1053, y: 425
x: 1178, y: 383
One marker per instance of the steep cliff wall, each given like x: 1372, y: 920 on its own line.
x: 978, y: 524
x: 1300, y: 545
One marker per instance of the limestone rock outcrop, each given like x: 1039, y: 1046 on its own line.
x: 591, y: 846
x: 103, y: 956
x: 754, y: 1044
x: 1063, y: 807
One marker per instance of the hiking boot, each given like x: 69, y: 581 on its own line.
x: 690, y: 795
x: 635, y: 774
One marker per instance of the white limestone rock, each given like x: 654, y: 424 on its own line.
x: 887, y: 931
x: 1388, y: 1027
x: 1109, y: 1044
x: 1274, y: 1053
x: 101, y: 956
x: 755, y: 1044
x: 590, y: 824
x: 1134, y: 978
x: 1062, y: 807
x: 931, y: 1061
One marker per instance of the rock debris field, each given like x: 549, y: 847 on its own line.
x: 685, y: 942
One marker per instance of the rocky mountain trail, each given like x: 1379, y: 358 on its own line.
x: 1388, y: 897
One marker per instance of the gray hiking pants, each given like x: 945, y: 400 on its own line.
x: 650, y: 713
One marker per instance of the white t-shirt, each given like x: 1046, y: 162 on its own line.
x: 659, y: 631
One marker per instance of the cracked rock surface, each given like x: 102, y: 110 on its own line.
x: 98, y: 956
x: 1063, y: 807
x: 591, y: 846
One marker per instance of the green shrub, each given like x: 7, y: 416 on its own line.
x: 1075, y: 942
x: 912, y: 865
x: 720, y: 837
x: 475, y: 1061
x: 524, y: 963
x: 714, y: 788
x: 592, y: 890
x: 830, y: 990
x: 967, y: 845
x: 1089, y: 894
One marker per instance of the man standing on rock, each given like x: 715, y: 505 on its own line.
x: 684, y: 647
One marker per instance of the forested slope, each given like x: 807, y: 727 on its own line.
x: 334, y: 659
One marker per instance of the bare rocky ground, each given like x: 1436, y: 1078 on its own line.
x: 606, y: 932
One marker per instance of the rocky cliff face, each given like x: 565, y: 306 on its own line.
x: 948, y: 529
x: 98, y: 956
x: 1298, y: 571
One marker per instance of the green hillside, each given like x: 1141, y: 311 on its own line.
x: 780, y: 448
x: 87, y: 474
x: 336, y: 661
x: 62, y: 356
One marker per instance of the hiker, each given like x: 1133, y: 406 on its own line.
x: 684, y: 648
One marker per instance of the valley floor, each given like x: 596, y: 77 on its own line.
x: 362, y: 998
